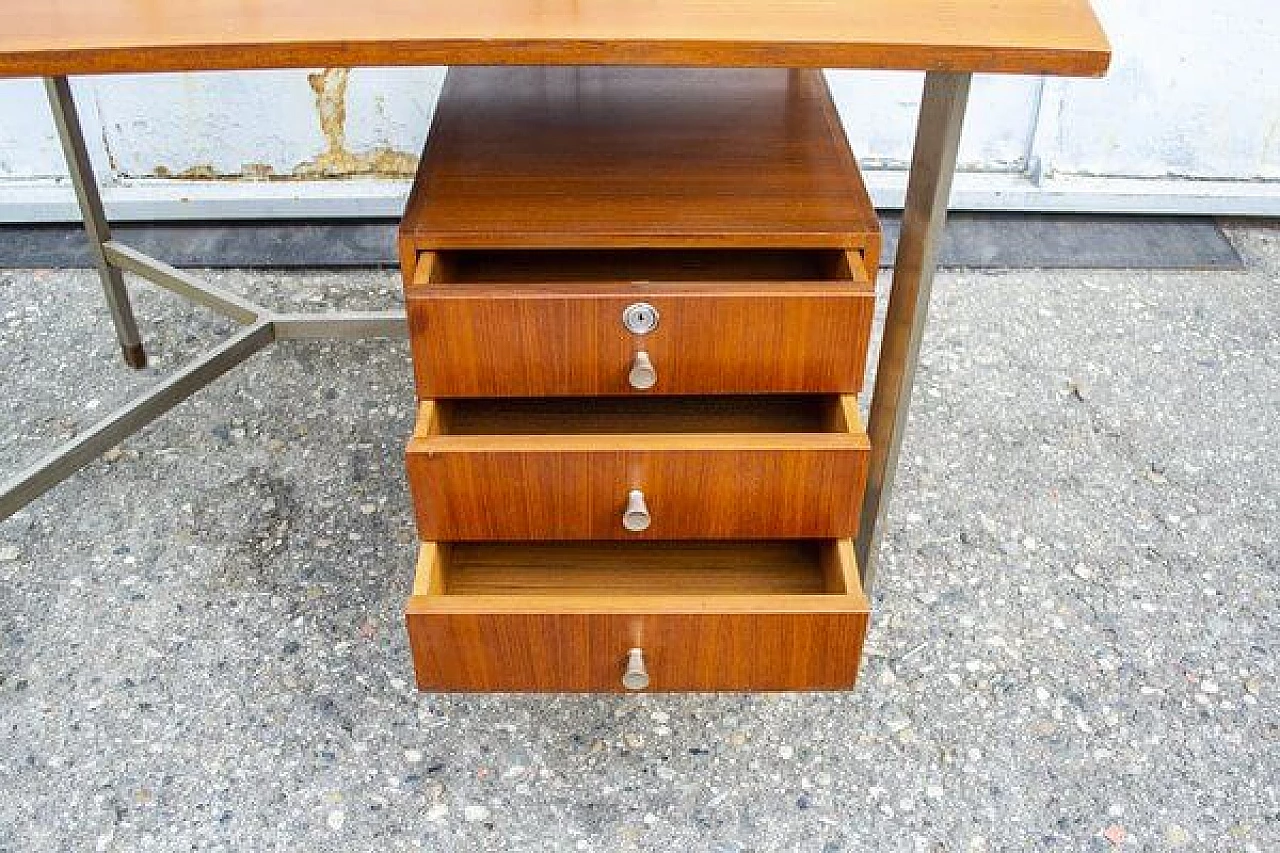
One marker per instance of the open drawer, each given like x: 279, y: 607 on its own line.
x: 637, y: 321
x: 765, y: 467
x: 659, y: 616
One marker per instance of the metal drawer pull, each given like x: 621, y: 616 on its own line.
x: 636, y: 677
x: 636, y: 516
x: 642, y: 376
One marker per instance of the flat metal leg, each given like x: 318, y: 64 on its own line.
x: 183, y: 284
x: 95, y: 219
x: 933, y: 166
x: 266, y: 328
x: 349, y: 326
x: 110, y: 431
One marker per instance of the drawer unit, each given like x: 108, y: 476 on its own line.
x: 659, y: 616
x: 617, y: 322
x: 634, y: 468
x: 639, y: 305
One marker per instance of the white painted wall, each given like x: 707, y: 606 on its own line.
x: 28, y: 142
x: 1194, y: 92
x: 1187, y: 121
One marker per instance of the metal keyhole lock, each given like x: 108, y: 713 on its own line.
x: 640, y: 318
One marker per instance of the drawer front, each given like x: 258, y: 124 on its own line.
x: 564, y: 617
x: 514, y: 342
x: 581, y: 323
x: 564, y: 493
x: 589, y: 651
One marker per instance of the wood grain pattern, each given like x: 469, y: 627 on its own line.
x: 570, y: 630
x: 47, y: 37
x: 611, y: 157
x: 631, y: 265
x: 675, y: 421
x: 708, y: 471
x: 534, y: 339
x: 790, y: 567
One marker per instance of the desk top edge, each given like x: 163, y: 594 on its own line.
x: 67, y: 37
x: 249, y: 57
x: 1079, y: 63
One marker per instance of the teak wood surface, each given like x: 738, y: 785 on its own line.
x: 529, y: 339
x: 709, y: 467
x: 562, y: 617
x: 640, y: 157
x: 62, y: 37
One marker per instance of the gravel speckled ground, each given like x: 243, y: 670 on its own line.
x: 1074, y: 644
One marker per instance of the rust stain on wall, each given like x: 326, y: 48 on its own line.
x: 337, y: 160
x: 258, y: 171
x: 204, y: 172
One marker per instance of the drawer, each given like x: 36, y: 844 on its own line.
x: 639, y: 322
x: 638, y: 468
x: 700, y: 616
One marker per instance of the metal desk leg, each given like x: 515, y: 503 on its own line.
x: 260, y: 326
x: 933, y: 165
x: 95, y: 218
x: 133, y: 416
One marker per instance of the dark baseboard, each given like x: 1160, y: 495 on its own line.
x: 972, y: 240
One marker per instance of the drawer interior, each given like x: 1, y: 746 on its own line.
x: 804, y: 413
x: 562, y: 616
x: 557, y: 266
x: 803, y: 567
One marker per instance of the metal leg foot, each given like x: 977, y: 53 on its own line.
x: 134, y: 355
x: 933, y: 165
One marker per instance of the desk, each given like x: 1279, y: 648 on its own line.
x: 950, y: 40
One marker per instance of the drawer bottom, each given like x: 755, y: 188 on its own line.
x: 667, y: 615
